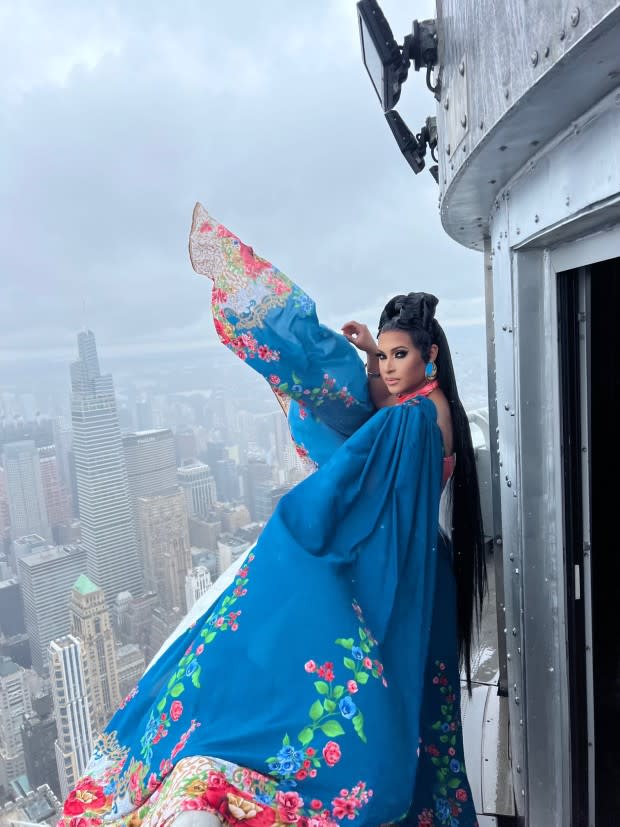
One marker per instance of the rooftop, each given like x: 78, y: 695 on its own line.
x: 85, y: 586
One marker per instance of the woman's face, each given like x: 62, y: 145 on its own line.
x: 400, y: 362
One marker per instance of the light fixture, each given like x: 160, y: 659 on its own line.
x: 413, y: 146
x: 386, y: 62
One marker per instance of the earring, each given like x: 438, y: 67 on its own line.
x: 430, y: 371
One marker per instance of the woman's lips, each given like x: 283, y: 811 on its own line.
x: 392, y: 381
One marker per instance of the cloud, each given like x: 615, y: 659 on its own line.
x: 117, y: 117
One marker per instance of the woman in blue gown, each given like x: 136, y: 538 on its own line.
x: 323, y: 684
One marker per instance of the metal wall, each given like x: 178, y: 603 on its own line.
x: 513, y: 75
x: 569, y: 191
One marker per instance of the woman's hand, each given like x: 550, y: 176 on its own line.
x: 360, y: 336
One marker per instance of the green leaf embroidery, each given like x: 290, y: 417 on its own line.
x: 196, y: 678
x: 350, y: 664
x: 358, y: 725
x: 363, y: 634
x: 286, y: 740
x: 338, y: 692
x: 362, y: 678
x: 321, y: 687
x: 316, y: 710
x: 453, y: 783
x: 161, y: 704
x: 304, y: 737
x: 177, y: 689
x: 347, y: 642
x: 329, y: 705
x: 209, y: 637
x: 332, y: 729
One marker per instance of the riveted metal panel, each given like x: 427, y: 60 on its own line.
x: 532, y: 66
x: 508, y: 488
x: 541, y: 555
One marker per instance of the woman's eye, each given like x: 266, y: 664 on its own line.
x: 400, y: 354
x: 380, y: 356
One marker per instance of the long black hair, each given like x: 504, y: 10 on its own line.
x: 414, y: 313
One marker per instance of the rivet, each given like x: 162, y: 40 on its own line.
x: 464, y: 147
x: 462, y: 68
x: 481, y: 124
x: 506, y: 93
x: 464, y: 121
x: 509, y: 484
x: 562, y: 34
x: 520, y: 721
x: 446, y: 103
x: 574, y: 16
x: 518, y: 701
x: 511, y: 557
x: 518, y: 231
x: 506, y: 407
x: 536, y: 219
x: 498, y: 541
x: 534, y: 57
x: 518, y: 767
x: 503, y: 148
x: 523, y: 793
x: 508, y: 657
x: 567, y: 200
x: 516, y: 571
x: 546, y: 52
x: 448, y: 149
x: 514, y: 631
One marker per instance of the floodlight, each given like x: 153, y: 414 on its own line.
x: 386, y: 62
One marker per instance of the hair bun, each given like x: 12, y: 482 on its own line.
x: 416, y: 309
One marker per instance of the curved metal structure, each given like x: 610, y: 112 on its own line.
x: 529, y: 172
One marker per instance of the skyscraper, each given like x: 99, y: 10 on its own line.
x: 90, y: 622
x: 199, y: 486
x: 108, y: 532
x: 131, y: 663
x: 24, y: 490
x: 151, y: 461
x: 72, y: 710
x: 15, y: 702
x: 38, y: 734
x: 165, y: 545
x: 55, y: 494
x: 197, y: 582
x: 46, y: 579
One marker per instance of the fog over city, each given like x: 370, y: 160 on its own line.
x: 115, y: 119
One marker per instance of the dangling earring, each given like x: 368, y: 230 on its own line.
x: 430, y: 371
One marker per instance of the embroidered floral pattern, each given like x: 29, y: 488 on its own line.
x: 450, y: 791
x: 334, y: 705
x: 221, y: 620
x: 314, y: 396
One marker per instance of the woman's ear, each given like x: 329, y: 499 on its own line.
x: 433, y: 353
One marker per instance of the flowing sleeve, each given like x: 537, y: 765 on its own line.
x: 270, y: 323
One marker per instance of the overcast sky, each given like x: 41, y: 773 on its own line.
x: 115, y: 117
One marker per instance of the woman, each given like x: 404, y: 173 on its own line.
x: 323, y: 685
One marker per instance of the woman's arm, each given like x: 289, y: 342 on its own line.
x: 360, y: 336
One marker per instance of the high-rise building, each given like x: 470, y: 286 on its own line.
x: 197, y: 582
x: 69, y: 680
x: 151, y: 461
x: 132, y: 618
x: 130, y: 666
x: 90, y: 622
x: 46, y: 579
x: 38, y: 734
x: 24, y: 490
x: 164, y: 540
x: 255, y: 473
x: 226, y: 473
x: 11, y: 609
x: 186, y: 446
x: 57, y: 499
x: 204, y: 531
x: 229, y: 549
x: 5, y: 518
x: 108, y: 532
x: 199, y: 487
x: 63, y: 441
x: 15, y: 702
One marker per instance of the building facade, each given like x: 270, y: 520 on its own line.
x: 198, y: 485
x: 90, y: 623
x: 46, y: 579
x: 197, y: 582
x: 15, y: 702
x: 72, y: 710
x: 108, y: 531
x: 24, y: 490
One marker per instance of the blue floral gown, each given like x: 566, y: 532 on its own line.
x: 323, y: 685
